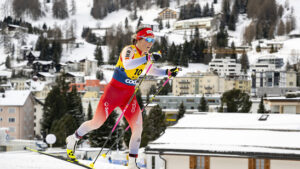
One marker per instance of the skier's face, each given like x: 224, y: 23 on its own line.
x: 145, y: 43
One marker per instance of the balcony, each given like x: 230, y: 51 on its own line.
x: 184, y: 82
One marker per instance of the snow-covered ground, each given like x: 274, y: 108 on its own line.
x: 31, y: 160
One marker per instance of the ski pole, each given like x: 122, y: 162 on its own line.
x: 120, y: 117
x: 127, y: 128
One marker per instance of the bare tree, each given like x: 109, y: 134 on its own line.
x: 295, y: 58
x: 250, y: 33
x: 60, y: 9
x: 288, y: 26
x: 30, y: 7
x: 281, y: 28
x: 73, y: 7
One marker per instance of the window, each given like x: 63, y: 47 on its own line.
x: 259, y: 164
x: 11, y: 120
x: 11, y: 110
x: 291, y: 83
x: 190, y: 100
x: 1, y: 109
x: 199, y: 162
x: 1, y: 119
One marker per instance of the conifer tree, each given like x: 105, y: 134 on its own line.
x: 90, y: 112
x: 236, y: 101
x: 99, y: 136
x: 203, y: 107
x: 99, y: 55
x: 160, y: 24
x: 166, y: 89
x: 244, y: 61
x: 62, y: 128
x: 74, y: 106
x: 233, y: 55
x: 56, y: 51
x: 183, y: 59
x: 139, y: 21
x: 7, y: 62
x: 139, y: 98
x: 54, y: 108
x: 152, y: 90
x: 222, y: 38
x: 261, y: 107
x: 154, y: 125
x: 181, y: 111
x: 171, y: 54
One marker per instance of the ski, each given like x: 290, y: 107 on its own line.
x: 59, y: 157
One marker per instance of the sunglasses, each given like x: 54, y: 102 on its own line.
x: 149, y: 40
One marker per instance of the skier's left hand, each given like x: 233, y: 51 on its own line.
x: 173, y: 72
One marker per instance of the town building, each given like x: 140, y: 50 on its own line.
x: 289, y: 104
x: 208, y: 83
x: 17, y: 114
x: 273, y: 82
x: 214, y: 141
x: 267, y: 63
x: 201, y: 23
x: 168, y: 13
x: 225, y: 66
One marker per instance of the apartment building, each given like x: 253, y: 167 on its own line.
x: 17, y: 114
x: 274, y: 83
x: 208, y: 83
x: 201, y: 23
x: 225, y: 66
x: 267, y: 63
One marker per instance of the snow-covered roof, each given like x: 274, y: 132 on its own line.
x: 196, y: 19
x: 231, y: 134
x: 46, y: 74
x: 17, y: 26
x: 43, y: 62
x: 297, y: 99
x: 36, y: 53
x: 14, y: 97
x: 76, y: 74
x: 6, y: 74
x: 36, y: 85
x: 26, y: 47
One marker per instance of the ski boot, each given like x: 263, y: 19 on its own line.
x: 132, y: 163
x: 71, y: 146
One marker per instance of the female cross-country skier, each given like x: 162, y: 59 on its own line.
x: 132, y: 61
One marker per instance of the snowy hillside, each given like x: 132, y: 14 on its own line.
x: 82, y: 18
